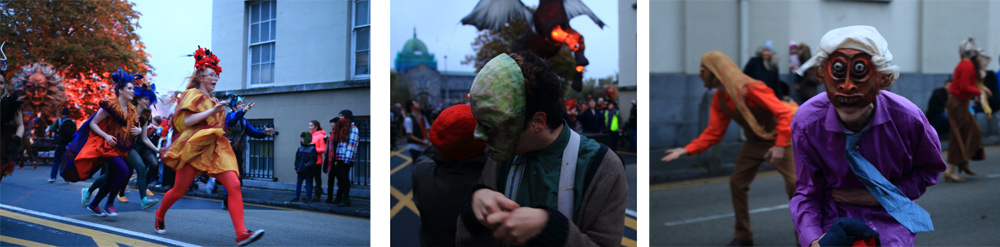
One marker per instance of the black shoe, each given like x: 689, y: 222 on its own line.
x: 337, y: 201
x: 306, y: 200
x: 346, y: 203
x: 294, y: 199
x: 737, y: 242
x: 329, y: 199
x: 315, y: 199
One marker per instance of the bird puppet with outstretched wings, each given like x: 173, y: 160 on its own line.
x: 550, y: 26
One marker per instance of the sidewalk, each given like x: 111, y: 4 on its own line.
x: 360, y: 207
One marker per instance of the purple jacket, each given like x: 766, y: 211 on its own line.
x: 901, y: 144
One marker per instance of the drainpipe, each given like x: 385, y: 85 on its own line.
x: 744, y: 31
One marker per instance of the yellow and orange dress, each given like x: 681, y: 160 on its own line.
x: 202, y: 145
x: 96, y: 150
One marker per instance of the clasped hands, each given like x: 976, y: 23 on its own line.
x: 510, y: 222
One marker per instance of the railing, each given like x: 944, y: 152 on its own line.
x: 361, y: 173
x: 259, y: 155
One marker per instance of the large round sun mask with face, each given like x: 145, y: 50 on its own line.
x: 851, y: 79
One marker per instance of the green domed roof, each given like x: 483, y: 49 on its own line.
x: 414, y: 53
x: 414, y: 45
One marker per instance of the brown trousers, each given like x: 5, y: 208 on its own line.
x: 751, y: 156
x: 965, y: 140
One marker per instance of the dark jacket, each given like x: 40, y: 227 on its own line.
x: 439, y: 187
x: 935, y: 106
x: 755, y: 69
x: 305, y: 157
x: 591, y: 121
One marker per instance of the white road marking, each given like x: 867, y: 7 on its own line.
x: 993, y: 175
x: 75, y: 221
x: 631, y: 213
x: 720, y: 216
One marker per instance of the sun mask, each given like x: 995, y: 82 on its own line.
x: 498, y: 104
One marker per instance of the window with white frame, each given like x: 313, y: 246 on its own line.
x: 362, y: 39
x: 261, y: 48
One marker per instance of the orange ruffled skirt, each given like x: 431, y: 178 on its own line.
x: 206, y: 150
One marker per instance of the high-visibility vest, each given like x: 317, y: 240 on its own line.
x: 613, y: 122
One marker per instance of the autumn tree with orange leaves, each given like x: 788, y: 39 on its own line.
x: 85, y: 40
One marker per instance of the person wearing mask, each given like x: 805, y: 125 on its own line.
x: 965, y: 140
x: 526, y: 196
x: 862, y: 153
x: 765, y: 121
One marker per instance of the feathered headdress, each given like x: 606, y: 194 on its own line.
x: 205, y: 58
x: 121, y: 77
x: 146, y: 91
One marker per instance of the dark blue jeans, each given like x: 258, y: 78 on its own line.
x: 60, y: 150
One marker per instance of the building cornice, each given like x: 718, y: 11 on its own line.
x: 337, y: 85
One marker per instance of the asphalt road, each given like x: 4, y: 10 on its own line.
x: 37, y: 213
x: 699, y: 212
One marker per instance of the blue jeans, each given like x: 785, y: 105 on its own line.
x: 308, y: 178
x: 60, y: 150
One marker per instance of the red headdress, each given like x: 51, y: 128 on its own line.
x: 204, y: 58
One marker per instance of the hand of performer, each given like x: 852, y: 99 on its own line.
x: 221, y: 106
x: 111, y: 140
x: 518, y: 226
x: 855, y: 197
x: 775, y: 155
x: 249, y: 105
x: 988, y: 92
x: 269, y: 131
x: 486, y: 202
x: 136, y: 131
x: 815, y: 243
x: 673, y: 154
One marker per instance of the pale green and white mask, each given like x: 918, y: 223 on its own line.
x: 498, y: 104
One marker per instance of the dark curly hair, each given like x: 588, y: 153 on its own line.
x: 542, y: 87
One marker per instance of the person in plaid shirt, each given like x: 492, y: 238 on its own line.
x: 345, y: 135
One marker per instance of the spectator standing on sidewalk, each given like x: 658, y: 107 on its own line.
x: 64, y: 128
x: 317, y: 140
x: 305, y: 163
x: 764, y: 67
x: 417, y: 129
x: 346, y: 137
x: 935, y: 109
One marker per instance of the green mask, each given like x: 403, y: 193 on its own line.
x: 497, y: 97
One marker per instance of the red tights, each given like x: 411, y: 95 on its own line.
x: 229, y: 180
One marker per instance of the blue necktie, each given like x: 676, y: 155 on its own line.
x: 905, y: 211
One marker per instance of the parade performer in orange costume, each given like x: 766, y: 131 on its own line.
x: 200, y: 147
x: 111, y: 133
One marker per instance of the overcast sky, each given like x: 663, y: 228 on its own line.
x: 439, y: 26
x: 170, y: 30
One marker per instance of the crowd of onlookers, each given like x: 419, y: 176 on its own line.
x: 597, y: 118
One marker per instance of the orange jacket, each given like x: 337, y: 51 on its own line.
x: 758, y: 96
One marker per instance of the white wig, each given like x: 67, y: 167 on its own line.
x: 864, y: 38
